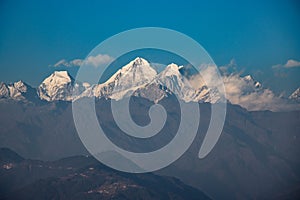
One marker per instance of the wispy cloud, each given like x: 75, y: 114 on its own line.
x: 292, y: 63
x: 65, y: 63
x: 98, y: 60
x: 289, y: 64
x: 94, y: 61
x: 229, y: 68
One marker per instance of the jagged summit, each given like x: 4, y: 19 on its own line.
x: 252, y: 81
x: 295, y: 95
x: 20, y: 85
x: 248, y: 77
x: 19, y: 91
x: 127, y: 79
x: 4, y: 91
x: 138, y: 70
x: 171, y: 69
x: 59, y: 86
x: 58, y: 77
x: 138, y: 61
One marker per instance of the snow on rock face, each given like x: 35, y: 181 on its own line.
x: 137, y: 72
x: 251, y: 81
x: 58, y: 78
x: 165, y: 83
x: 172, y: 79
x: 139, y: 78
x: 18, y: 90
x: 127, y: 79
x: 295, y: 95
x: 20, y: 86
x: 4, y: 92
x: 58, y: 86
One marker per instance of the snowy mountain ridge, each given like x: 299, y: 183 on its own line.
x: 139, y: 79
x: 18, y: 91
x: 129, y: 78
x: 295, y: 95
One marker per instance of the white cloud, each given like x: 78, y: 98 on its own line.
x: 61, y: 62
x: 76, y: 62
x: 289, y: 64
x: 277, y: 66
x: 65, y: 63
x: 242, y: 91
x: 292, y: 63
x: 229, y: 68
x: 251, y: 95
x: 94, y: 61
x: 245, y: 91
x: 98, y: 60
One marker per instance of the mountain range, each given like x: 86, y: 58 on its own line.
x: 256, y: 157
x: 138, y: 78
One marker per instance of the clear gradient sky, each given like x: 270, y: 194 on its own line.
x: 256, y: 34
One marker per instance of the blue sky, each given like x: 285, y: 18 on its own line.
x: 256, y: 34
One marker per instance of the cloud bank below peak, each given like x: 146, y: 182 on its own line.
x: 250, y: 94
x: 247, y: 92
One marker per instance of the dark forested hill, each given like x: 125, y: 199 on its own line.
x: 83, y: 177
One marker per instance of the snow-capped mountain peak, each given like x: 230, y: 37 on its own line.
x: 138, y: 70
x: 171, y: 70
x: 18, y: 91
x: 58, y: 86
x: 58, y: 78
x: 131, y: 76
x: 249, y: 79
x: 295, y: 95
x: 4, y: 91
x: 138, y: 61
x: 169, y: 81
x: 20, y: 85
